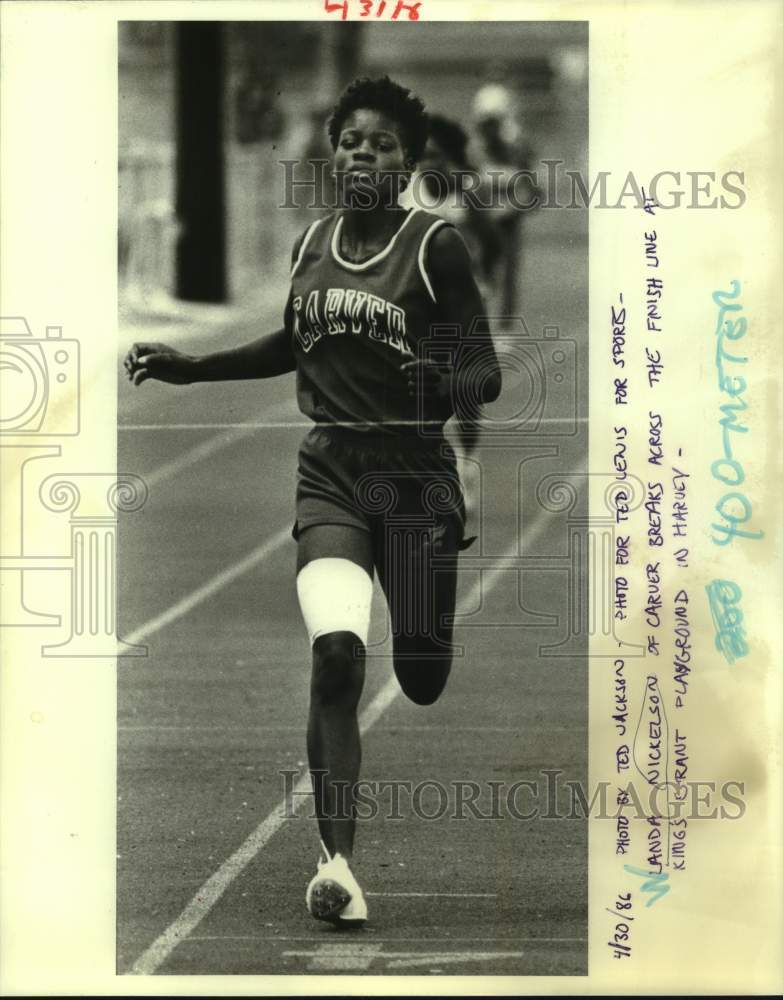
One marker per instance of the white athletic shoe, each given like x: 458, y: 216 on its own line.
x: 334, y: 894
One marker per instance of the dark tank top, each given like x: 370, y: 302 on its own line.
x: 354, y: 325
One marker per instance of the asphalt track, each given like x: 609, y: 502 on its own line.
x: 211, y: 868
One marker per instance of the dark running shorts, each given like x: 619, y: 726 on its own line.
x: 381, y: 483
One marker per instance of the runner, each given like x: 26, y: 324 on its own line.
x: 377, y: 486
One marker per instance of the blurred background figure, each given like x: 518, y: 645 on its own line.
x: 440, y: 190
x: 316, y: 155
x: 503, y: 153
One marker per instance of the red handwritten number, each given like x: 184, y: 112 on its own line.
x: 412, y: 9
x: 330, y: 8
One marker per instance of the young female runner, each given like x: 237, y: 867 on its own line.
x: 377, y: 489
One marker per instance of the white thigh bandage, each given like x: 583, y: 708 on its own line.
x: 335, y: 596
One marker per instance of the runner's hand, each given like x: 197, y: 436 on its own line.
x: 158, y: 361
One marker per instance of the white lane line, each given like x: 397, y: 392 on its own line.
x: 211, y: 891
x: 202, y: 593
x: 359, y: 956
x: 246, y: 426
x: 281, y: 727
x: 410, y: 959
x: 256, y: 425
x: 276, y: 727
x: 232, y: 433
x: 383, y: 940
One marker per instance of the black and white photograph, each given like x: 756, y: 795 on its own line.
x: 355, y: 390
x: 389, y: 561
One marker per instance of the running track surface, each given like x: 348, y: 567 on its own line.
x: 210, y: 872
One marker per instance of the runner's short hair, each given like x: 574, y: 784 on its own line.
x: 391, y: 99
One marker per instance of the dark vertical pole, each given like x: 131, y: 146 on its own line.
x: 348, y: 52
x: 201, y: 210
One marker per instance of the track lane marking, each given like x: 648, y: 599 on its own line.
x: 258, y: 425
x: 216, y: 443
x: 206, y: 590
x: 384, y: 940
x: 282, y: 727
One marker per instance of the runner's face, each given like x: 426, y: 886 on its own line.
x: 370, y: 153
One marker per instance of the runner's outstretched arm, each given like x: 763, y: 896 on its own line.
x: 265, y: 357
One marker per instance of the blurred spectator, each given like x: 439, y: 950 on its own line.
x: 316, y: 157
x: 503, y: 152
x: 445, y: 156
x: 258, y: 114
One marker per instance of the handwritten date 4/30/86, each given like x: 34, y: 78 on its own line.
x: 620, y: 940
x: 394, y: 9
x: 656, y: 884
